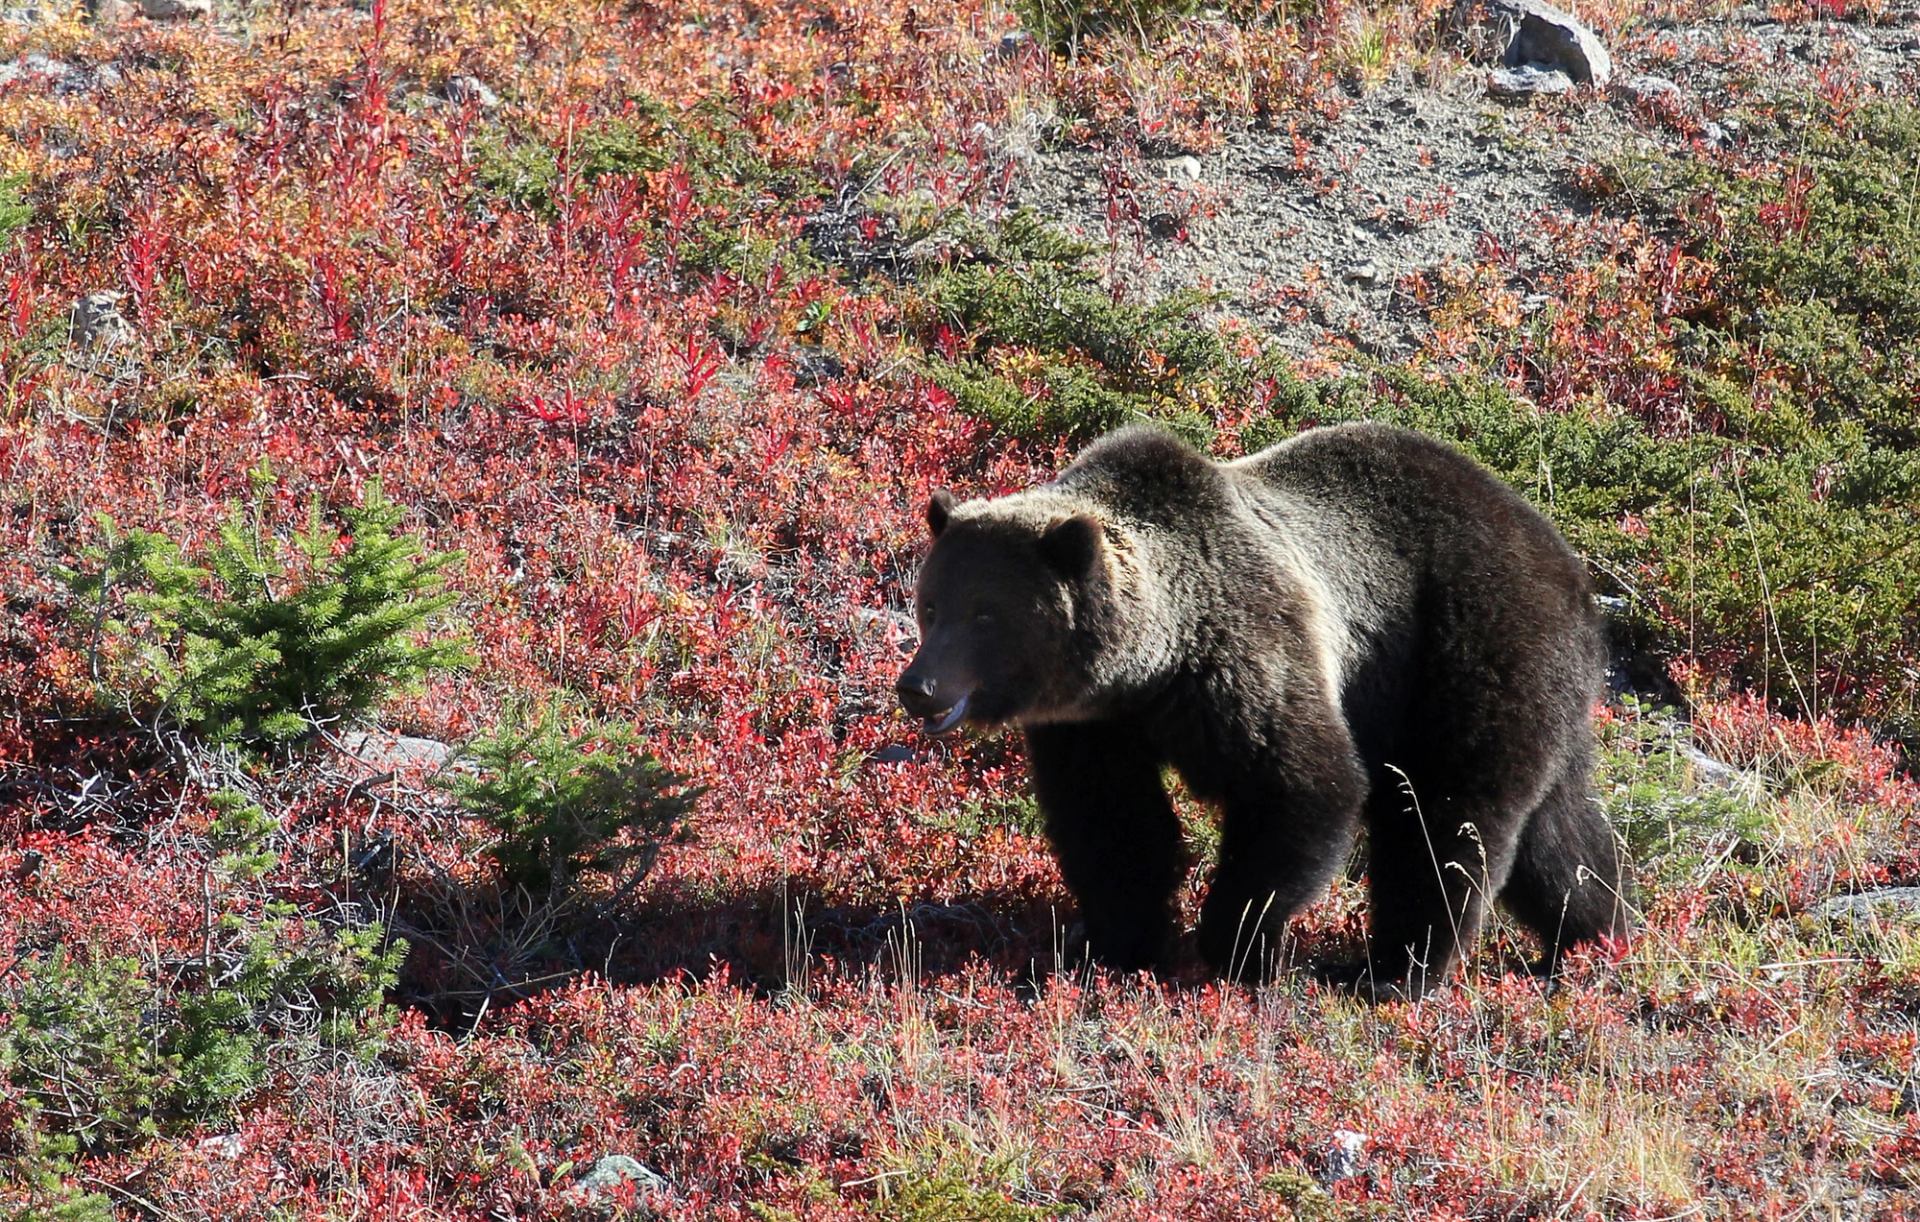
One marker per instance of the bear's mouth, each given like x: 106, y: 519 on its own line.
x: 943, y: 722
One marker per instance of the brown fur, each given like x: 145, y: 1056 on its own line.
x: 1359, y: 626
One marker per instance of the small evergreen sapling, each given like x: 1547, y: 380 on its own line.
x: 262, y: 642
x: 568, y: 802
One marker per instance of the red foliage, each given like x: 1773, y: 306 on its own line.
x: 605, y: 388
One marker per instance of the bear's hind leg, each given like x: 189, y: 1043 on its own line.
x: 1434, y: 864
x: 1569, y: 882
x: 1115, y: 835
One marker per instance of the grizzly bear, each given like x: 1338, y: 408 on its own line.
x: 1356, y: 627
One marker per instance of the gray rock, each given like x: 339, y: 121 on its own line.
x: 1544, y: 35
x: 176, y: 10
x: 227, y: 1146
x: 96, y: 323
x: 460, y: 90
x: 1709, y: 771
x: 1009, y: 46
x: 383, y: 751
x: 29, y: 67
x: 1187, y: 167
x: 1346, y: 1156
x: 887, y: 619
x: 1646, y: 88
x: 1901, y: 904
x: 1721, y: 134
x: 614, y: 1170
x: 814, y: 366
x: 1363, y: 273
x: 1527, y: 81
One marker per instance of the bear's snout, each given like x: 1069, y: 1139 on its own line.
x: 918, y: 695
x: 938, y: 710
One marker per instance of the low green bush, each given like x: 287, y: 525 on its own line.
x: 260, y: 641
x: 1037, y: 348
x: 1063, y: 25
x: 566, y: 802
x: 1816, y: 292
x: 103, y: 1051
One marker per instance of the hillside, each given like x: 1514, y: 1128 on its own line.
x: 461, y: 472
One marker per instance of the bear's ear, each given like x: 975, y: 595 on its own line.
x: 939, y: 509
x: 1071, y: 546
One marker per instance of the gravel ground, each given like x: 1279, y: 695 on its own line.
x: 1315, y: 243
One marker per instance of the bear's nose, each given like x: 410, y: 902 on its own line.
x: 916, y: 694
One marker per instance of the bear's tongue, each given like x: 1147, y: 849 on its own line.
x: 949, y: 719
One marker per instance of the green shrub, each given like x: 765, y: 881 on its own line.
x: 526, y: 173
x: 261, y: 642
x: 1064, y: 24
x: 1674, y: 827
x: 40, y: 1186
x: 729, y: 178
x: 949, y: 1198
x: 564, y: 803
x: 81, y: 1046
x: 15, y: 212
x: 1817, y: 269
x: 1047, y: 353
x: 104, y: 1054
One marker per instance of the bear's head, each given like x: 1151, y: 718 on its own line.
x: 1010, y: 604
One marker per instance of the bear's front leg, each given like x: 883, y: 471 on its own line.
x: 1287, y: 825
x: 1115, y: 834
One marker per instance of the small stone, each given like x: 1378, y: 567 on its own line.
x: 892, y: 753
x: 176, y: 10
x: 1165, y: 226
x: 1715, y: 135
x: 95, y: 322
x: 1526, y: 82
x: 1009, y: 46
x: 814, y: 366
x: 383, y: 751
x: 1363, y: 272
x: 1187, y: 167
x: 1708, y: 770
x: 1900, y: 904
x: 1346, y: 1156
x: 462, y: 90
x: 1645, y: 88
x: 228, y: 1146
x: 36, y: 65
x: 1544, y: 35
x: 614, y: 1170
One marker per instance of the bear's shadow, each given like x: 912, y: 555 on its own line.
x: 770, y: 939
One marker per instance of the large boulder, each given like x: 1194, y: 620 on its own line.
x: 1543, y: 35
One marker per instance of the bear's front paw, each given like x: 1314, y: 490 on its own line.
x: 1131, y: 950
